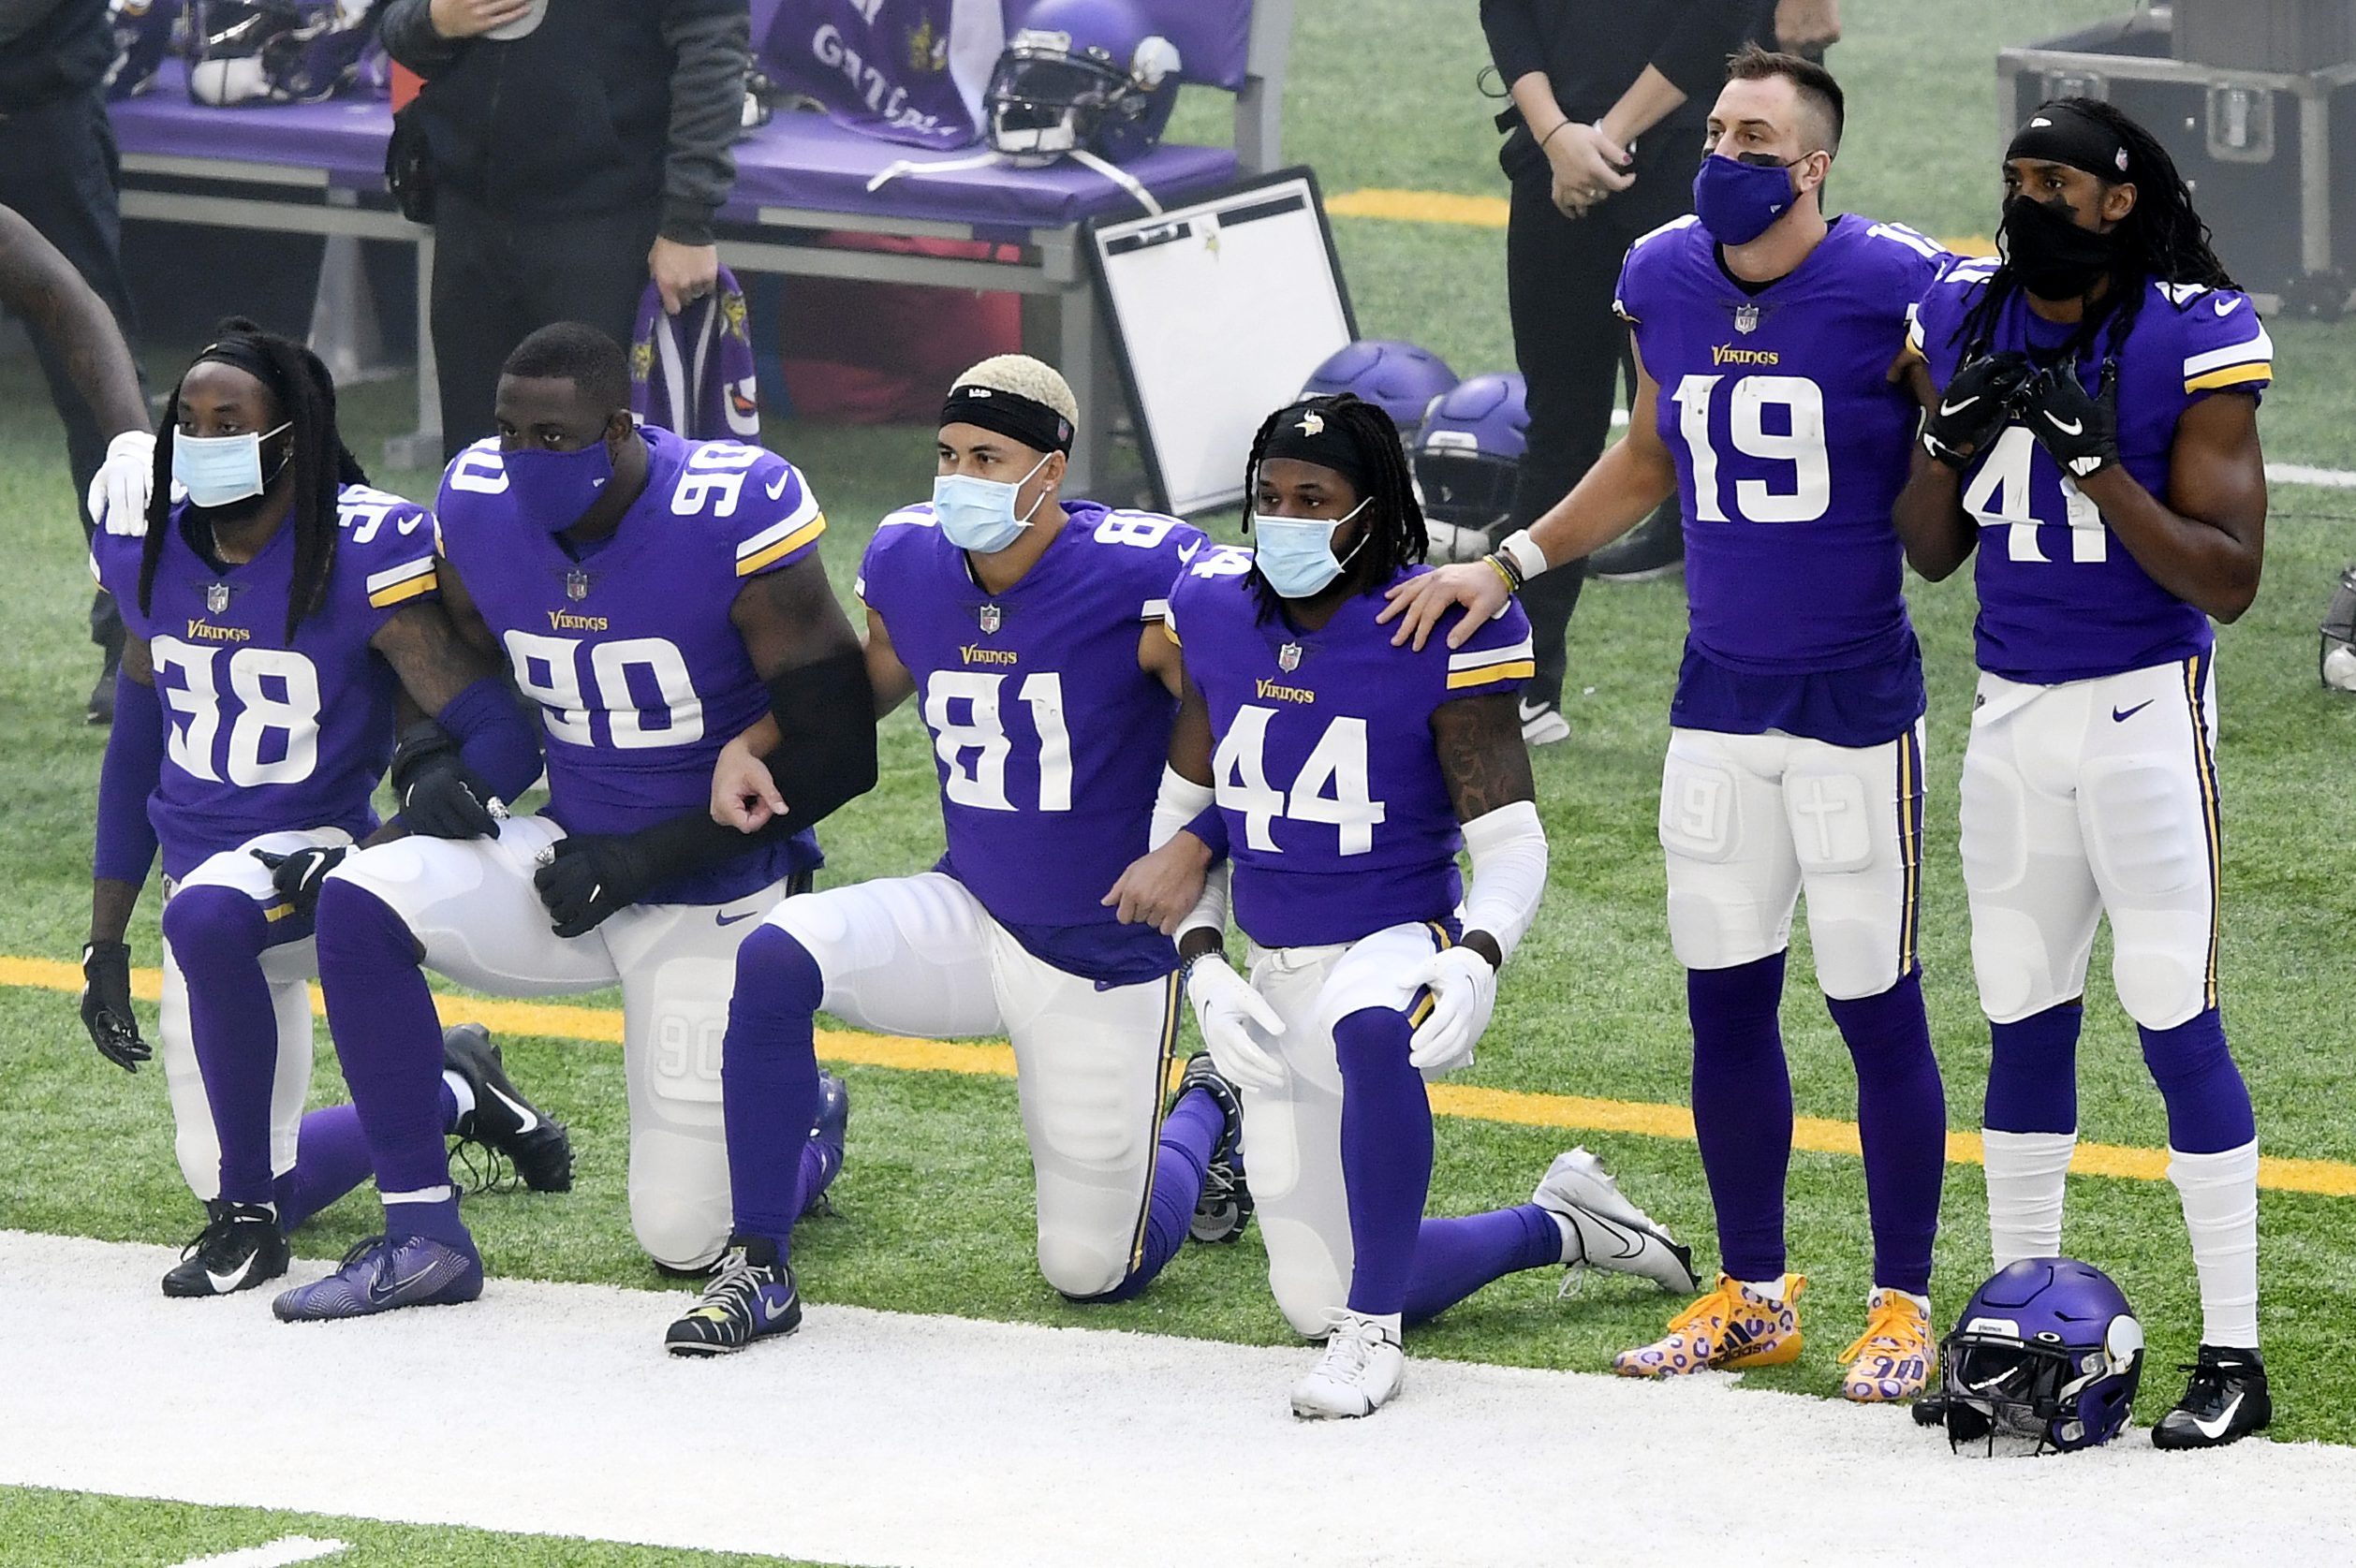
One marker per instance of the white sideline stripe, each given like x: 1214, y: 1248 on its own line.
x: 893, y: 1438
x: 271, y: 1554
x: 2299, y: 474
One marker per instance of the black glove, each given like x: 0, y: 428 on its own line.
x: 440, y: 796
x: 593, y: 875
x: 297, y: 875
x: 1976, y: 404
x: 2080, y: 430
x: 106, y: 1005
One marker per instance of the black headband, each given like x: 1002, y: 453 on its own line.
x: 245, y: 354
x: 1309, y: 433
x: 1034, y: 424
x: 2057, y: 133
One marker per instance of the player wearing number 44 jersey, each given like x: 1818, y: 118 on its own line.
x: 2093, y: 435
x: 654, y: 596
x: 1028, y: 629
x: 277, y: 615
x: 1766, y: 336
x: 1349, y: 773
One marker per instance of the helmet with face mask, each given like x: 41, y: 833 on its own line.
x: 275, y: 52
x: 2047, y: 1356
x: 1400, y: 378
x: 1468, y: 462
x: 1086, y: 76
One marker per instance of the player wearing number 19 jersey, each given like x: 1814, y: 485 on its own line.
x: 2095, y: 438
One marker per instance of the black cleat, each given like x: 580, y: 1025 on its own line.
x: 239, y: 1247
x: 752, y: 1296
x: 503, y: 1120
x: 2226, y: 1401
x: 1225, y: 1206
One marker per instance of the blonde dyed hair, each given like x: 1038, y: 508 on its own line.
x: 1026, y: 377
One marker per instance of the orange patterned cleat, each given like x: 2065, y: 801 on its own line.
x: 1728, y: 1330
x: 1893, y: 1359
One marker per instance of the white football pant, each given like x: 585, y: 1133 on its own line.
x: 918, y: 955
x: 1748, y: 822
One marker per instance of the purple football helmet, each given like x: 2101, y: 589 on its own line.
x: 1081, y: 76
x: 1398, y: 377
x: 2047, y: 1350
x: 144, y: 33
x: 1468, y: 462
x: 278, y: 52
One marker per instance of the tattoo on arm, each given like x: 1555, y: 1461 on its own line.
x: 1481, y: 753
x: 42, y: 286
x: 465, y: 619
x: 425, y: 650
x: 791, y: 618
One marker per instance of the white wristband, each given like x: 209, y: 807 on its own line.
x: 1523, y: 552
x: 1210, y: 910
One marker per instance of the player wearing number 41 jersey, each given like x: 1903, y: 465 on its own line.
x: 654, y: 596
x: 1766, y: 336
x: 2093, y: 435
x: 277, y: 615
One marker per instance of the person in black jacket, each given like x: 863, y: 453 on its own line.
x: 576, y: 150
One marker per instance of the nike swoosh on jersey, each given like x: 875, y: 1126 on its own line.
x: 1187, y: 554
x: 779, y: 488
x: 223, y: 1284
x: 2227, y: 307
x: 2215, y: 1428
x: 2120, y: 715
x: 523, y: 1113
x: 724, y: 918
x: 1951, y: 409
x: 2075, y: 427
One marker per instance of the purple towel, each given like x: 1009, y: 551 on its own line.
x: 692, y: 374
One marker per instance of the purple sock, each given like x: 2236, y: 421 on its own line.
x: 1902, y: 1123
x: 2033, y: 1072
x: 769, y: 1081
x: 1189, y: 1132
x: 332, y: 1158
x: 217, y: 935
x: 1455, y: 1257
x: 1386, y: 1155
x: 2208, y: 1104
x: 389, y: 1041
x: 1742, y: 1109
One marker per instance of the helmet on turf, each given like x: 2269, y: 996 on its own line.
x: 1467, y: 459
x: 144, y: 33
x: 2047, y: 1350
x: 277, y: 52
x: 1081, y: 76
x: 1399, y: 378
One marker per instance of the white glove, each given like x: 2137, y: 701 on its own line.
x: 118, y: 492
x: 1464, y: 993
x: 1224, y: 1002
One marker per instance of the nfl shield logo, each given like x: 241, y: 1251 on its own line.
x: 216, y: 597
x: 1747, y: 318
x: 1288, y: 657
x: 990, y: 617
x: 576, y: 585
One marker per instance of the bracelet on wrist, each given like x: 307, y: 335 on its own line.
x: 1527, y: 558
x: 1185, y: 965
x: 1561, y: 125
x: 1504, y: 569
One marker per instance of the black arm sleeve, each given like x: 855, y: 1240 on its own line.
x: 407, y: 31
x: 1693, y: 56
x: 1514, y: 44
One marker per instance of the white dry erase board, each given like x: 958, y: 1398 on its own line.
x: 1218, y: 312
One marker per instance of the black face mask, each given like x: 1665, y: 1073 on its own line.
x: 2053, y: 256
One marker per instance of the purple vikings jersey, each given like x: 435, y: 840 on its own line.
x: 900, y: 70
x: 2060, y: 597
x: 1338, y: 817
x: 1791, y: 446
x: 264, y: 736
x: 639, y: 675
x: 1048, y: 738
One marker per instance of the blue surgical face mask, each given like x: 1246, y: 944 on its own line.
x: 555, y: 489
x: 216, y: 470
x: 1738, y: 201
x: 1296, y: 555
x: 979, y: 514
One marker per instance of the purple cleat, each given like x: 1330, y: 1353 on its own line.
x: 380, y: 1275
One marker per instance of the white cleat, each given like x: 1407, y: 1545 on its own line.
x: 1361, y: 1370
x: 1604, y: 1230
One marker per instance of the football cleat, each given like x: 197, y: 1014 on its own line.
x: 239, y: 1247
x: 2226, y: 1401
x: 751, y: 1296
x: 1225, y: 1206
x: 1608, y: 1232
x: 503, y: 1120
x: 1728, y: 1330
x: 1542, y: 723
x: 1358, y: 1374
x: 382, y: 1275
x: 828, y: 1132
x: 1894, y: 1357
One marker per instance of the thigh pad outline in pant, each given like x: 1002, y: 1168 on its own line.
x: 908, y: 955
x: 2033, y: 902
x: 1855, y: 816
x: 1733, y: 877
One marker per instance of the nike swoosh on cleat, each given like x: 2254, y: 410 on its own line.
x: 2074, y: 428
x: 2215, y: 1430
x: 779, y: 488
x: 1951, y: 409
x: 223, y: 1284
x: 386, y: 1297
x: 523, y: 1112
x: 2120, y: 715
x: 724, y: 918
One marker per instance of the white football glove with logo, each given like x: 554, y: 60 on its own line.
x: 117, y: 498
x: 1224, y: 1003
x: 1464, y: 994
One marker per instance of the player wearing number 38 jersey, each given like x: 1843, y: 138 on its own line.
x: 1766, y: 338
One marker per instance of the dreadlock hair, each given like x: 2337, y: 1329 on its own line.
x: 323, y: 465
x: 2165, y: 242
x: 1392, y: 536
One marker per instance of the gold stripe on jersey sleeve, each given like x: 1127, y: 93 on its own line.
x: 1489, y: 676
x: 384, y: 598
x: 2232, y: 375
x: 782, y: 548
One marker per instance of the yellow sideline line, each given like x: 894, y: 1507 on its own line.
x: 1489, y: 212
x: 1817, y: 1135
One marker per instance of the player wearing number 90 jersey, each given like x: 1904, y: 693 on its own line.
x: 2095, y: 437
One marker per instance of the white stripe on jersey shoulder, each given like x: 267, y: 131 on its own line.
x: 918, y: 516
x: 1480, y: 658
x: 421, y: 566
x: 1972, y: 269
x: 1670, y: 227
x: 1156, y: 609
x: 805, y: 507
x: 2250, y: 350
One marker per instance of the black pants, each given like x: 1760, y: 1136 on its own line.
x: 58, y: 169
x: 1560, y: 275
x: 497, y: 281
